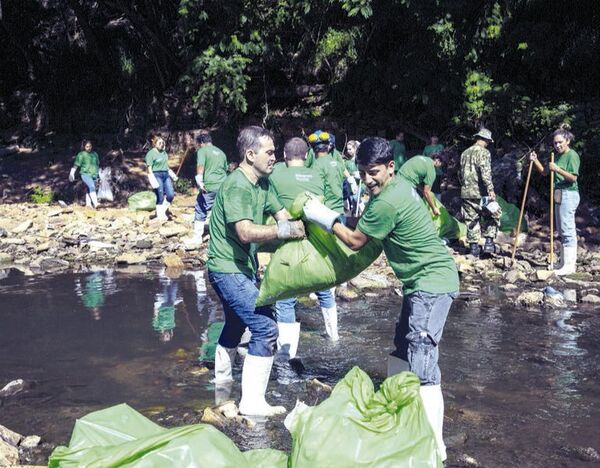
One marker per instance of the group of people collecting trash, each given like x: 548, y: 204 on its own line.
x: 399, y: 189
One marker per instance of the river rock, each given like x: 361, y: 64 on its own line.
x: 3, y: 232
x: 173, y: 261
x: 143, y: 244
x: 588, y: 454
x: 570, y: 295
x: 531, y: 298
x: 513, y: 276
x: 209, y: 416
x: 9, y: 436
x: 543, y: 275
x: 172, y: 230
x: 12, y: 388
x: 466, y: 461
x: 13, y: 241
x: 9, y: 455
x: 591, y: 299
x: 50, y: 264
x: 5, y: 258
x: 30, y: 441
x: 43, y: 247
x: 228, y: 409
x: 21, y: 228
x: 131, y: 259
x: 367, y: 280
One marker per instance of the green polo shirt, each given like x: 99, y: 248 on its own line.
x: 399, y: 218
x: 568, y: 161
x: 237, y: 199
x: 333, y: 169
x: 287, y: 183
x: 215, y: 166
x: 87, y: 163
x: 157, y: 160
x: 419, y: 170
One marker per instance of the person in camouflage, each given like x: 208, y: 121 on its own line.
x: 476, y: 182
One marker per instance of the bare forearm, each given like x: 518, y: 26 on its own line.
x: 567, y: 175
x: 353, y: 239
x: 429, y: 197
x: 257, y: 233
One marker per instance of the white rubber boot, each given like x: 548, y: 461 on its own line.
x: 88, y: 201
x: 161, y: 213
x: 570, y: 263
x: 331, y: 325
x: 94, y: 199
x: 166, y: 204
x: 395, y: 365
x: 433, y: 402
x: 287, y: 343
x: 224, y: 360
x: 255, y: 377
x: 196, y: 240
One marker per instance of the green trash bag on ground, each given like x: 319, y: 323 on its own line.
x: 357, y: 426
x: 142, y: 201
x: 447, y: 226
x: 120, y: 436
x: 510, y: 216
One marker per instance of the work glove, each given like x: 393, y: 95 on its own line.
x: 316, y: 212
x: 173, y: 176
x: 72, y: 174
x: 200, y: 182
x: 152, y: 179
x: 290, y: 229
x: 352, y: 182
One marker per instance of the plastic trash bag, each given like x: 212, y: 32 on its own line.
x: 510, y: 216
x: 120, y: 436
x: 357, y: 426
x: 447, y: 226
x: 142, y: 201
x: 104, y: 190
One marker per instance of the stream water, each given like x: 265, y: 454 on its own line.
x: 521, y: 386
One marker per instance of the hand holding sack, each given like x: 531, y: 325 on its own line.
x: 287, y: 229
x: 316, y: 212
x: 152, y: 179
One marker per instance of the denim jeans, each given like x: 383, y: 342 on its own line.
x: 204, y: 203
x: 419, y: 331
x: 90, y: 182
x: 564, y: 213
x: 285, y: 310
x: 238, y: 295
x: 165, y: 187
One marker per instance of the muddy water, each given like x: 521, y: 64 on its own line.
x: 521, y: 385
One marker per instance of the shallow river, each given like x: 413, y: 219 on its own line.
x: 521, y: 386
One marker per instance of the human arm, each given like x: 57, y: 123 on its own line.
x: 485, y: 170
x: 538, y: 165
x: 249, y: 232
x: 352, y: 238
x: 566, y: 174
x: 72, y: 174
x: 428, y: 195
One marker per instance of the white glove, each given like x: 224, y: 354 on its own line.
x: 352, y: 182
x: 356, y: 175
x: 316, y: 212
x: 290, y: 229
x: 72, y: 174
x: 173, y: 176
x: 200, y: 182
x: 152, y: 179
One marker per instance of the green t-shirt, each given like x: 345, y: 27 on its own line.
x: 215, y: 166
x: 568, y: 161
x: 237, y: 199
x: 287, y: 183
x: 419, y: 170
x: 432, y: 149
x: 157, y: 160
x: 399, y: 218
x: 351, y: 166
x: 399, y: 152
x: 334, y: 176
x: 87, y: 163
x: 310, y: 157
x: 93, y: 296
x: 164, y: 318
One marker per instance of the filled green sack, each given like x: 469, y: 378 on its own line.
x: 120, y: 436
x: 142, y: 201
x: 447, y: 226
x: 357, y: 426
x: 510, y: 216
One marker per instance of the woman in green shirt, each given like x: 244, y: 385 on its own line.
x: 88, y: 162
x: 159, y: 176
x: 565, y: 171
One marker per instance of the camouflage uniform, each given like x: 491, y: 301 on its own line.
x: 476, y: 182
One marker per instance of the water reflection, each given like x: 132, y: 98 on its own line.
x: 163, y: 318
x: 93, y: 289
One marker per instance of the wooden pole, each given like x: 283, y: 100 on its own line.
x: 182, y: 161
x: 516, y: 241
x: 552, y: 213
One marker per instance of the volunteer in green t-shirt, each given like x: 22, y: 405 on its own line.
x: 88, y: 163
x: 160, y: 176
x: 351, y: 198
x: 565, y: 171
x: 433, y: 147
x: 398, y: 150
x: 396, y: 216
x: 211, y: 170
x: 286, y: 184
x: 420, y: 172
x: 236, y: 225
x: 163, y: 319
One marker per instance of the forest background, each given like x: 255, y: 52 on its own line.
x: 520, y: 67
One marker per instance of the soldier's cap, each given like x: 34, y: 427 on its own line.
x: 485, y: 134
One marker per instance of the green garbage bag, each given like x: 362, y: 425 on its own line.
x: 448, y: 227
x: 510, y: 216
x: 142, y: 201
x: 120, y: 436
x: 357, y: 426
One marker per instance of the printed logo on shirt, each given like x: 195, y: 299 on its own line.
x: 304, y: 177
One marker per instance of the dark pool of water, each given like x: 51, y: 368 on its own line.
x: 520, y: 385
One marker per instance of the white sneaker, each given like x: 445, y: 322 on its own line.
x: 255, y: 378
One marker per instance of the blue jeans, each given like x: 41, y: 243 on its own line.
x: 90, y: 182
x: 564, y: 213
x: 238, y: 295
x: 285, y: 310
x: 351, y: 197
x: 165, y: 187
x: 204, y: 203
x: 419, y: 331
